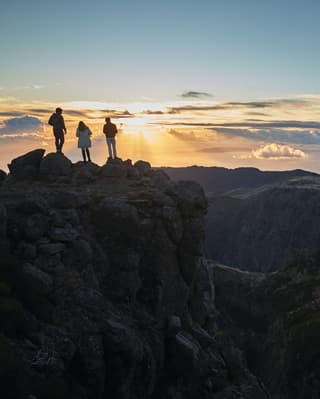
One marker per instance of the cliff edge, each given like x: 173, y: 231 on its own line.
x: 104, y: 290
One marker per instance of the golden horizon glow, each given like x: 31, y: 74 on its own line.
x: 269, y: 134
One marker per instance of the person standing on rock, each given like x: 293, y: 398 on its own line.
x: 59, y: 129
x: 110, y: 130
x: 83, y: 133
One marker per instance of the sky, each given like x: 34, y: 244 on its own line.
x: 227, y: 83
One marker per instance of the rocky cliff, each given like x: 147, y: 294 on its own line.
x: 275, y: 320
x: 104, y: 291
x: 262, y: 231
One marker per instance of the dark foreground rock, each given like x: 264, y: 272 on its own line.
x: 275, y: 319
x: 104, y: 291
x: 26, y: 166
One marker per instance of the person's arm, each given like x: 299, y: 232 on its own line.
x: 89, y: 132
x: 77, y: 132
x: 105, y: 129
x: 64, y: 126
x: 50, y: 121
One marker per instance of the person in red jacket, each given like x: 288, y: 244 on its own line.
x: 59, y: 129
x: 110, y: 130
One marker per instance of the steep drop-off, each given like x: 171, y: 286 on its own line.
x: 263, y: 231
x: 275, y: 319
x: 104, y: 291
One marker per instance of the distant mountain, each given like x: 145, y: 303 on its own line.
x: 256, y: 220
x: 262, y: 231
x: 217, y: 180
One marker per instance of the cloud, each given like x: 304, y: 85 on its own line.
x: 40, y: 110
x: 278, y: 151
x: 117, y: 114
x: 150, y: 112
x: 296, y: 136
x: 11, y: 113
x: 195, y: 94
x: 249, y: 105
x: 25, y: 125
x: 190, y: 136
x: 223, y: 149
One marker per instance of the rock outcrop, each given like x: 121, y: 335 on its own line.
x: 275, y: 320
x: 261, y: 232
x: 104, y: 291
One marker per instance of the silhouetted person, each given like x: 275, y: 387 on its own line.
x: 83, y: 133
x: 59, y: 130
x: 110, y: 130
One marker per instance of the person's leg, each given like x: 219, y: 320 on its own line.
x: 88, y: 154
x: 109, y: 147
x: 114, y: 148
x: 56, y: 137
x: 83, y: 154
x: 61, y: 140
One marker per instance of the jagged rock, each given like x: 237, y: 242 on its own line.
x: 26, y: 166
x: 85, y: 172
x: 3, y: 220
x: 55, y: 165
x: 3, y: 175
x: 67, y: 201
x: 30, y: 206
x: 186, y: 352
x: 114, y: 168
x: 202, y: 301
x: 114, y: 300
x: 143, y: 167
x: 27, y: 250
x: 173, y: 223
x: 37, y: 280
x: 51, y: 248
x: 34, y: 227
x: 132, y: 172
x: 191, y: 197
x: 65, y: 234
x: 174, y: 326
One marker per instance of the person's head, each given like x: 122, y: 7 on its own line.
x: 108, y: 120
x: 81, y: 126
x: 58, y: 110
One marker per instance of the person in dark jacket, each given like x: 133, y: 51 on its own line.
x: 110, y: 130
x: 59, y: 129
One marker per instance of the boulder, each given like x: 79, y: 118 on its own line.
x: 191, y: 197
x: 3, y: 220
x: 3, y: 175
x: 35, y: 280
x: 66, y: 234
x: 132, y: 173
x: 114, y: 168
x: 85, y: 172
x: 143, y: 167
x: 51, y: 248
x: 34, y: 227
x: 55, y: 165
x: 26, y: 166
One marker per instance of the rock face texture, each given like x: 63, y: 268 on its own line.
x: 275, y: 320
x: 262, y: 231
x: 104, y: 290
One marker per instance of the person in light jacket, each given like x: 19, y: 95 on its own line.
x: 83, y: 133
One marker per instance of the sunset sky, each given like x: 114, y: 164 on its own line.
x: 209, y: 82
